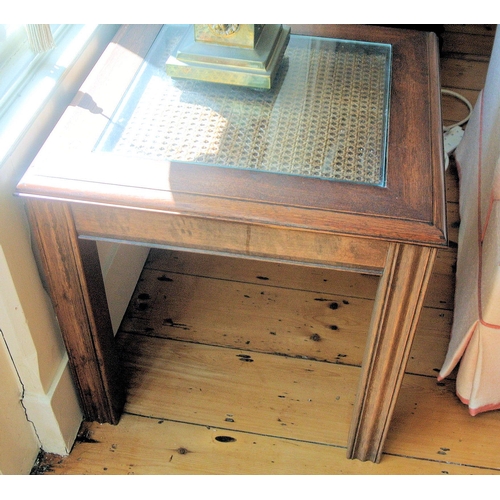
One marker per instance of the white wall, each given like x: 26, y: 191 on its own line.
x: 38, y: 403
x: 17, y: 435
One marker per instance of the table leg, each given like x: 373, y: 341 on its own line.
x: 72, y: 272
x: 396, y: 312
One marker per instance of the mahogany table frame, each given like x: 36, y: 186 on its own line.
x: 75, y: 196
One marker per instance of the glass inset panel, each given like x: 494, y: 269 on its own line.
x: 325, y: 117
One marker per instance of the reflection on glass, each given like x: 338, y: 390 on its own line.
x: 326, y: 115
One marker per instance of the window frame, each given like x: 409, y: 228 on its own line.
x: 35, y: 79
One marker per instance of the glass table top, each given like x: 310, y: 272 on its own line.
x: 326, y: 116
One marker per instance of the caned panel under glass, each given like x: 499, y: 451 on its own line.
x: 326, y: 115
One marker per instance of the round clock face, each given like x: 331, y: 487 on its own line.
x: 223, y: 29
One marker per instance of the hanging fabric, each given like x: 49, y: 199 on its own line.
x: 40, y: 37
x: 475, y: 337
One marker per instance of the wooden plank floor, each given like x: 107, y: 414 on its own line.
x: 246, y: 367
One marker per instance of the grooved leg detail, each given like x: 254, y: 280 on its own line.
x: 396, y: 312
x: 75, y: 284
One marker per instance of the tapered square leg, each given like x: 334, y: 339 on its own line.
x: 396, y: 312
x: 74, y: 280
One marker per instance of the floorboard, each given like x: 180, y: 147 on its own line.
x: 176, y: 448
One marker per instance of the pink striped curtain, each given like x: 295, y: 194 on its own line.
x: 475, y: 340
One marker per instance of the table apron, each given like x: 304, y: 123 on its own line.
x: 232, y: 238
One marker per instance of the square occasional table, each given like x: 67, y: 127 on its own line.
x: 339, y: 165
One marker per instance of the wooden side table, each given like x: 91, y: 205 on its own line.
x: 353, y: 180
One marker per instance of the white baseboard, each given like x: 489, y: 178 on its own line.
x: 57, y: 415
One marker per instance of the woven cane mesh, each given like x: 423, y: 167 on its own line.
x: 326, y: 115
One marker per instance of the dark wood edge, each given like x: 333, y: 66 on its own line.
x: 217, y: 208
x: 437, y: 146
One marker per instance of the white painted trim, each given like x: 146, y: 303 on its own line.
x: 56, y: 414
x: 19, y: 445
x: 27, y: 321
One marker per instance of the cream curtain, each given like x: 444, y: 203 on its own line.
x: 40, y: 37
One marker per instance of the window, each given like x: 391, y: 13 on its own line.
x: 28, y: 80
x: 17, y: 60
